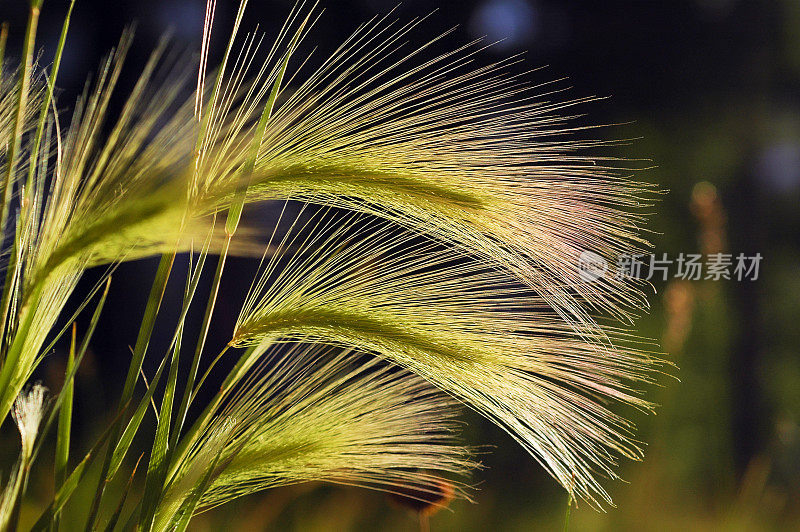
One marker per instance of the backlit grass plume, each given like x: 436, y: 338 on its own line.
x: 317, y: 414
x: 432, y: 214
x: 467, y: 328
x: 469, y: 155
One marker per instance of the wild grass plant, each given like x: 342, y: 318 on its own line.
x: 432, y: 214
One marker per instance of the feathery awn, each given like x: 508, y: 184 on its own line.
x: 432, y: 211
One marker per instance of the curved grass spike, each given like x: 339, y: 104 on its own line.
x: 468, y: 155
x: 471, y: 330
x: 309, y: 413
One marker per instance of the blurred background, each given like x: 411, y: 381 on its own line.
x: 709, y: 93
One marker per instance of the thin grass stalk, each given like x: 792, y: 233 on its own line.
x: 124, y: 441
x: 245, y: 362
x: 112, y: 522
x: 156, y: 469
x: 142, y: 341
x: 565, y: 528
x: 161, y: 449
x: 19, y: 117
x: 62, y: 496
x: 231, y: 225
x: 55, y: 409
x: 64, y: 423
x: 51, y: 84
x: 104, y: 282
x: 183, y: 407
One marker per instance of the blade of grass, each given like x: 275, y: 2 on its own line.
x: 181, y: 518
x: 184, y: 404
x: 63, y: 495
x: 104, y: 280
x: 147, y: 385
x: 142, y: 341
x: 112, y: 522
x: 156, y: 468
x: 64, y: 423
x: 71, y: 374
x: 125, y: 440
x: 246, y: 360
x: 161, y: 450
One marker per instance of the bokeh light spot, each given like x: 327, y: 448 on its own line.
x: 513, y: 23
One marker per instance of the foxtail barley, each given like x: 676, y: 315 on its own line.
x: 432, y: 212
x: 319, y: 414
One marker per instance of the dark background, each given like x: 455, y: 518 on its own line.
x: 709, y: 90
